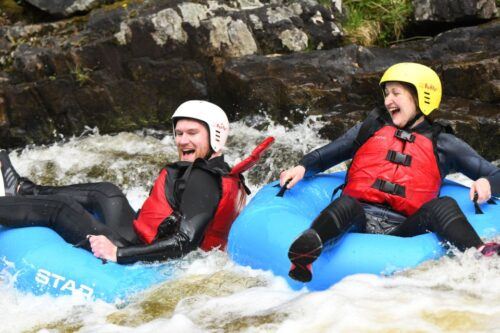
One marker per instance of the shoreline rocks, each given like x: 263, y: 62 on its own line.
x: 128, y: 64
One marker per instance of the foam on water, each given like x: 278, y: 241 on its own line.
x: 211, y: 294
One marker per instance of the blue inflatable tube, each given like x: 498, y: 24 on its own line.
x: 40, y: 261
x: 261, y: 235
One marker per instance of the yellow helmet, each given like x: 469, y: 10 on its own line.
x: 423, y: 78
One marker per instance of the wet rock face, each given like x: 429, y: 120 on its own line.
x: 350, y: 74
x: 475, y: 122
x: 342, y: 83
x: 130, y: 64
x: 454, y: 10
x: 65, y: 8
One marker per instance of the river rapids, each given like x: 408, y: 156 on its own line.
x: 210, y: 293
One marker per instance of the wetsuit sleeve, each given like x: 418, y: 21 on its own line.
x: 457, y: 156
x: 332, y: 154
x: 198, y: 205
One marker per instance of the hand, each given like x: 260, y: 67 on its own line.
x: 483, y: 188
x: 102, y: 247
x: 294, y: 174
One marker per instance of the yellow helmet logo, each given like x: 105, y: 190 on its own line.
x: 423, y: 78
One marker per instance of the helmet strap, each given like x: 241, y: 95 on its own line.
x: 209, y: 154
x: 414, y: 120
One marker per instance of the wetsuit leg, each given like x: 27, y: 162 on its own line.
x: 104, y: 200
x: 444, y: 217
x: 60, y: 213
x: 337, y: 218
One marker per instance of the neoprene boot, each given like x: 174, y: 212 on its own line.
x: 336, y: 219
x: 10, y: 177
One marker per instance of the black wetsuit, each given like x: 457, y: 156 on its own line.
x: 441, y: 215
x: 76, y: 211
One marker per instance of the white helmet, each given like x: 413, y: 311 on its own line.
x: 210, y: 114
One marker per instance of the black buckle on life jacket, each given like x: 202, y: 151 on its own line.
x: 398, y: 158
x: 404, y: 135
x: 388, y: 187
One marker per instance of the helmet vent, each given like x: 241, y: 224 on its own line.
x: 427, y: 97
x: 217, y: 135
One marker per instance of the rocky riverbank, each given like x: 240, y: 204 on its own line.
x: 126, y: 65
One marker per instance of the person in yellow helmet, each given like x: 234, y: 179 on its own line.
x: 399, y: 159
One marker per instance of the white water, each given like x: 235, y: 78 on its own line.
x: 212, y: 294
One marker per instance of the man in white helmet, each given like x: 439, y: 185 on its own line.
x: 200, y: 129
x: 192, y: 204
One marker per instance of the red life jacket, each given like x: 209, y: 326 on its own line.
x: 232, y: 201
x: 395, y: 167
x: 154, y: 211
x: 157, y: 208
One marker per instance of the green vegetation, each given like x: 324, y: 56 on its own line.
x: 6, y: 62
x: 82, y: 74
x: 120, y: 4
x: 378, y: 22
x: 327, y: 3
x: 10, y: 9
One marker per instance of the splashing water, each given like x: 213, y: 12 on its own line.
x: 210, y: 293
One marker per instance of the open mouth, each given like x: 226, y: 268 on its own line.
x: 187, y: 153
x: 394, y: 111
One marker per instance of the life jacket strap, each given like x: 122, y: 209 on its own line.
x: 404, y: 135
x: 398, y: 158
x: 388, y: 187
